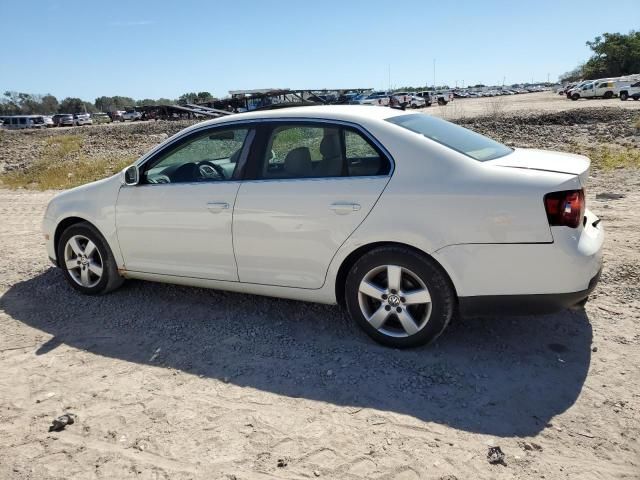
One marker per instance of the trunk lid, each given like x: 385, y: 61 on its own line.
x: 546, y: 161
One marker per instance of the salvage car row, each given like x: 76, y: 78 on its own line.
x: 18, y: 122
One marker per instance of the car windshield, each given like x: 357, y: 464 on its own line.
x: 453, y: 136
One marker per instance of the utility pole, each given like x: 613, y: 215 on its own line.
x: 389, y: 77
x: 434, y: 73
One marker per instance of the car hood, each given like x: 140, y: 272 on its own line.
x: 546, y: 161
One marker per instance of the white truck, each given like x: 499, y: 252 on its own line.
x: 603, y: 88
x: 629, y: 90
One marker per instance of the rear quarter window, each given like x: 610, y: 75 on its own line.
x: 453, y: 136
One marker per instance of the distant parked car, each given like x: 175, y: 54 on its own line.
x: 132, y: 115
x: 377, y: 98
x: 63, y: 120
x: 48, y: 121
x: 626, y: 91
x: 82, y: 119
x: 100, y: 117
x: 19, y: 122
x: 428, y: 99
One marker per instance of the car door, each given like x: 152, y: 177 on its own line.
x: 177, y: 220
x: 309, y: 186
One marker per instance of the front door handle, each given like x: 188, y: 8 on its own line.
x: 344, y: 208
x: 217, y: 207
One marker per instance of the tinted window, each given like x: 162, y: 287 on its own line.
x: 317, y: 151
x: 212, y: 156
x: 453, y: 136
x: 362, y: 158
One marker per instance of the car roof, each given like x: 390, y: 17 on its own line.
x: 349, y: 113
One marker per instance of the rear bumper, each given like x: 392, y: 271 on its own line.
x: 565, y: 267
x: 525, y: 304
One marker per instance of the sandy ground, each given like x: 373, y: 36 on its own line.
x: 182, y: 383
x: 531, y: 102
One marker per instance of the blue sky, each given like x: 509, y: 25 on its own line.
x: 151, y: 49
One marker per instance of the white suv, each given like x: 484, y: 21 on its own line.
x: 132, y: 115
x: 627, y: 91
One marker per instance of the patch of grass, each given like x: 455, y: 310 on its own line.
x: 65, y: 174
x: 637, y: 123
x: 62, y: 165
x: 608, y: 158
x: 62, y: 146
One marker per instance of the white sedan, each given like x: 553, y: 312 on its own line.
x: 401, y: 217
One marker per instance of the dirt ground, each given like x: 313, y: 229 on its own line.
x: 541, y: 102
x: 181, y: 383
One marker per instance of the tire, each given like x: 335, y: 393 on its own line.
x: 624, y: 96
x: 71, y: 249
x: 376, y: 311
x: 608, y: 95
x: 442, y: 101
x: 575, y: 97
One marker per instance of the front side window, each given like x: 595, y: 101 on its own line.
x: 319, y: 151
x: 453, y: 136
x: 211, y: 156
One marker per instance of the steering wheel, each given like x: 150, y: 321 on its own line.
x: 210, y: 170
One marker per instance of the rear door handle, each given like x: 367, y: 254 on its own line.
x: 344, y: 208
x: 216, y: 207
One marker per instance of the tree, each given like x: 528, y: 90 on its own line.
x: 71, y: 105
x: 614, y: 55
x: 111, y: 104
x: 189, y: 97
x: 49, y: 104
x: 204, y: 97
x: 573, y: 75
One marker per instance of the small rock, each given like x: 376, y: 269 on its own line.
x: 609, y: 196
x: 329, y: 373
x: 62, y: 421
x: 495, y: 456
x: 282, y: 462
x: 594, y: 349
x: 316, y: 473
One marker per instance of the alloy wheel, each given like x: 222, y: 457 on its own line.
x: 394, y: 300
x: 83, y: 261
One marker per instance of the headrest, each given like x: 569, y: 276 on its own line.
x: 297, y: 163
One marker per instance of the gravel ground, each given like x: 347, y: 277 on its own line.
x: 172, y: 382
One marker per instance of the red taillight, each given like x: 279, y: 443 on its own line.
x: 565, y: 208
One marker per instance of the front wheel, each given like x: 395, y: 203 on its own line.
x: 87, y: 260
x: 399, y: 297
x: 575, y: 97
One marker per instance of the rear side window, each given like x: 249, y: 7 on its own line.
x: 319, y: 151
x: 453, y: 136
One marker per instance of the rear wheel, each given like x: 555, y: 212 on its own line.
x: 87, y: 260
x: 608, y: 95
x: 442, y: 101
x: 399, y: 297
x: 624, y: 96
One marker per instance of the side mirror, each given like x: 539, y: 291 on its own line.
x: 131, y: 175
